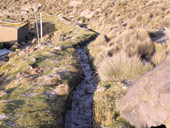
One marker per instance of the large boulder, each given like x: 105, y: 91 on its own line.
x: 147, y: 102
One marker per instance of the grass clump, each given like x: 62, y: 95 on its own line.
x: 119, y: 67
x: 132, y: 42
x: 165, y: 22
x: 106, y: 106
x: 160, y: 53
x: 97, y: 46
x: 118, y: 60
x: 136, y: 42
x: 139, y: 18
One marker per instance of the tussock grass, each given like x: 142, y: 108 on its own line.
x: 139, y: 18
x: 165, y: 22
x: 97, y: 46
x: 136, y: 42
x: 160, y: 53
x: 106, y: 106
x: 119, y: 67
x: 132, y: 25
x: 158, y: 57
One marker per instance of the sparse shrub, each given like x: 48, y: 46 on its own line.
x: 156, y: 22
x: 119, y: 67
x: 151, y: 3
x: 84, y: 20
x: 158, y: 57
x: 157, y: 13
x: 146, y: 17
x: 167, y: 11
x: 132, y: 25
x: 160, y: 53
x: 114, y: 50
x: 99, y: 58
x: 132, y: 43
x: 139, y: 18
x: 102, y: 39
x: 166, y: 22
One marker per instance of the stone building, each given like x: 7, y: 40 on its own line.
x: 12, y: 31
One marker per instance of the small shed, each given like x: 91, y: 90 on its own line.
x: 12, y: 31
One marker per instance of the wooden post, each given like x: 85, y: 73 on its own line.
x: 37, y: 29
x: 142, y: 25
x: 41, y: 28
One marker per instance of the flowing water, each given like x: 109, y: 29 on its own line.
x: 81, y: 113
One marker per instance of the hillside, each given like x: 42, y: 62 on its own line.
x: 132, y: 39
x: 37, y: 81
x: 109, y: 14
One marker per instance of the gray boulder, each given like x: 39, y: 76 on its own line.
x: 147, y: 102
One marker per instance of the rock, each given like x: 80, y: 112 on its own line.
x: 105, y: 5
x: 28, y: 7
x: 75, y: 3
x: 17, y: 50
x: 3, y: 116
x: 101, y: 89
x: 34, y: 41
x: 87, y: 14
x: 2, y: 93
x: 33, y: 59
x: 147, y: 102
x: 51, y: 79
x: 32, y: 49
x: 35, y: 7
x: 57, y: 48
x: 11, y: 54
x: 167, y: 123
x: 18, y: 75
x: 124, y: 87
x: 61, y: 89
x: 23, y: 43
x: 14, y: 47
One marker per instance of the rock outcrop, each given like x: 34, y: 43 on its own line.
x: 147, y: 102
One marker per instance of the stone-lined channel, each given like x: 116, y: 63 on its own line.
x: 81, y: 113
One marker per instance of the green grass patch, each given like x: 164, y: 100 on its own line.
x: 30, y: 81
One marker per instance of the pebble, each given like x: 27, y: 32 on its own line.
x: 124, y: 87
x: 3, y: 116
x: 101, y: 89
